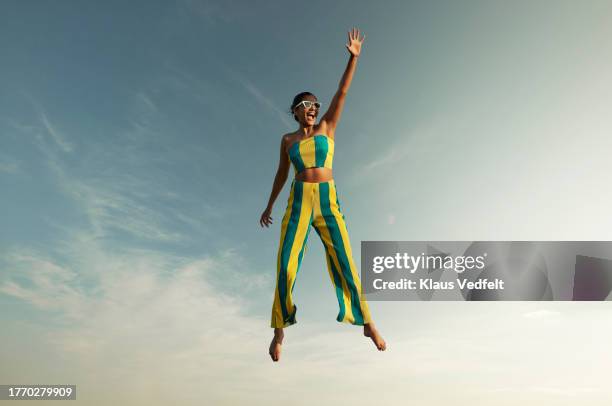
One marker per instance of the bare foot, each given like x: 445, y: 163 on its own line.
x: 370, y: 331
x: 275, y: 345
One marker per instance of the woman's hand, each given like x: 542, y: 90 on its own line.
x: 354, y: 43
x: 265, y: 217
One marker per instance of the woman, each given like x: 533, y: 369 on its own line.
x: 313, y: 201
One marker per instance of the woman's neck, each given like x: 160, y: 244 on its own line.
x: 306, y: 131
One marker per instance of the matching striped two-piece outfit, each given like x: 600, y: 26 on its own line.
x: 316, y: 204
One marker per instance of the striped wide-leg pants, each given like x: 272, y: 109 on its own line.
x: 317, y: 204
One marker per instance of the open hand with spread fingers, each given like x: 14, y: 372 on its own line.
x: 354, y: 43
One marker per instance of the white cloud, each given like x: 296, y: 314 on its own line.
x: 116, y: 205
x: 143, y: 318
x: 156, y: 327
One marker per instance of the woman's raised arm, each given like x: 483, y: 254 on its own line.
x: 332, y: 115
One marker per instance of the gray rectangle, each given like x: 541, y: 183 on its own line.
x: 37, y: 392
x: 486, y: 270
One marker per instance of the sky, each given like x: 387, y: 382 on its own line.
x: 138, y: 146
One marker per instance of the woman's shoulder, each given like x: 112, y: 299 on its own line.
x: 287, y: 138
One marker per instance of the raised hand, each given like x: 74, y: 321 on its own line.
x: 354, y: 43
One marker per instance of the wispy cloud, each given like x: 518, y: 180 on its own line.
x: 18, y: 126
x: 265, y: 101
x: 47, y: 128
x: 47, y: 285
x: 57, y: 137
x: 144, y: 315
x: 139, y: 316
x: 113, y: 197
x: 261, y: 97
x: 119, y: 203
x: 146, y: 99
x: 118, y: 206
x: 181, y: 79
x: 404, y: 149
x: 389, y: 157
x: 205, y: 92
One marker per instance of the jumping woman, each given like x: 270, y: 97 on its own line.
x: 313, y: 200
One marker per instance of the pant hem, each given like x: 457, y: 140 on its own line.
x: 285, y: 325
x: 355, y: 323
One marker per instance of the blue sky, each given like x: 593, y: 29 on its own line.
x: 138, y: 146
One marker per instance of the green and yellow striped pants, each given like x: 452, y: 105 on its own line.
x: 317, y: 204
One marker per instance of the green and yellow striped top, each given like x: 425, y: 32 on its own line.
x: 312, y: 152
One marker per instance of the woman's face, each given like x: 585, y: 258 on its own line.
x: 307, y: 117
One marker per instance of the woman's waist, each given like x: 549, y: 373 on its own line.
x: 315, y: 175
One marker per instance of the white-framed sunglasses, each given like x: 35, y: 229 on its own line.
x: 308, y: 104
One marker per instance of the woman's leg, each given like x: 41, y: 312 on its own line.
x: 329, y: 222
x: 295, y: 228
x: 330, y: 225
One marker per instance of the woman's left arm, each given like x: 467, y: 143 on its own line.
x: 332, y: 115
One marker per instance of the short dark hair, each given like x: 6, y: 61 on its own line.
x: 296, y: 100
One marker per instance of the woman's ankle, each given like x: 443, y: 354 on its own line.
x: 279, y: 334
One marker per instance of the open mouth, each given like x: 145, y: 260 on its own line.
x: 311, y: 115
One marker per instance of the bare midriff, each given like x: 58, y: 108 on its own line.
x: 315, y: 175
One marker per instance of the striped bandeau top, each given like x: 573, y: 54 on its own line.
x: 312, y: 152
